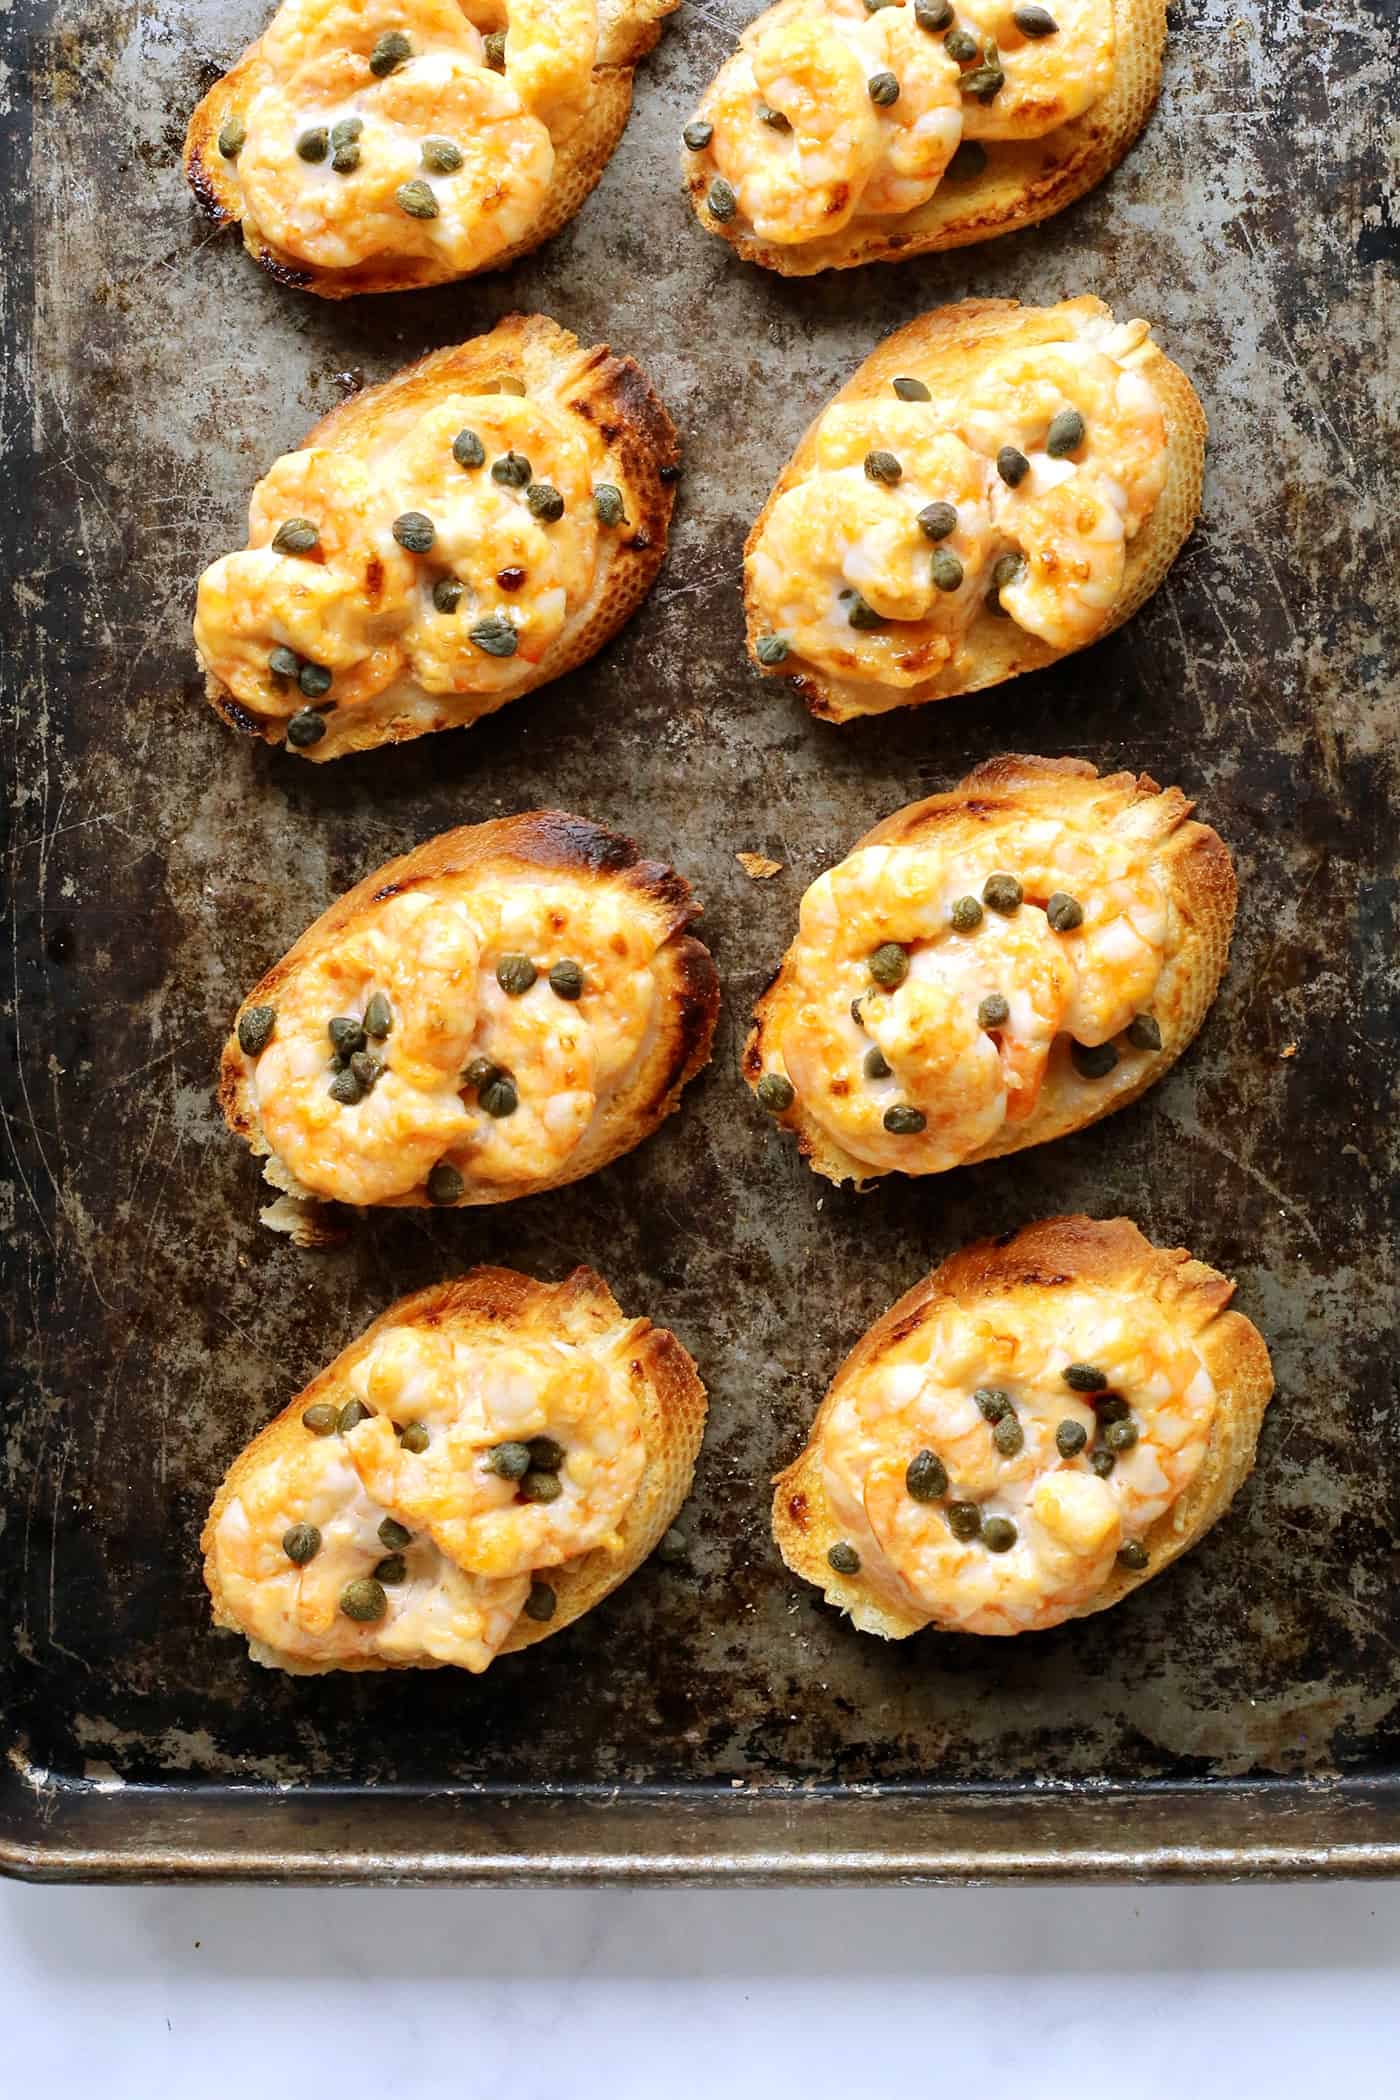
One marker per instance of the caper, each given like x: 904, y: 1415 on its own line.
x: 495, y: 50
x: 1102, y: 1462
x: 1133, y: 1554
x: 933, y: 14
x: 345, y: 159
x: 1070, y: 1438
x: 883, y: 89
x: 321, y: 1419
x: 284, y: 662
x: 295, y: 536
x: 416, y: 199
x: 544, y: 502
x: 379, y: 1017
x: 1034, y: 21
x: 926, y: 1476
x: 961, y: 45
x: 500, y: 1098
x: 721, y: 200
x: 480, y: 1072
x: 608, y: 506
x: 883, y: 466
x: 773, y: 118
x: 444, y: 1183
x: 541, y: 1487
x: 413, y: 531
x: 468, y: 450
x: 1110, y: 1407
x: 937, y: 520
x: 911, y: 390
x: 545, y: 1454
x: 1066, y: 434
x: 393, y: 1569
x: 992, y: 1402
x: 315, y: 681
x: 889, y: 965
x: 843, y: 1558
x: 903, y: 1120
x: 859, y: 613
x: 346, y: 131
x: 346, y: 1089
x: 368, y: 1069
x: 1002, y: 893
x: 566, y: 979
x: 515, y: 974
x: 947, y: 570
x: 985, y: 82
x: 771, y: 649
x: 999, y: 1534
x: 965, y: 915
x: 964, y: 1520
x: 364, y: 1600
x: 494, y: 635
x: 255, y: 1026
x: 511, y: 1461
x: 301, y: 1543
x: 1143, y: 1033
x: 394, y: 1536
x: 541, y: 1604
x: 351, y: 1415
x: 415, y: 1438
x: 441, y: 157
x: 875, y: 1065
x: 697, y: 134
x: 1008, y: 1436
x: 968, y: 162
x: 512, y: 470
x: 1121, y: 1436
x: 994, y: 1011
x: 313, y: 145
x: 233, y: 134
x: 1092, y: 1060
x: 1013, y: 466
x: 1064, y: 912
x: 347, y: 1035
x: 391, y: 51
x: 1085, y: 1378
x: 775, y: 1093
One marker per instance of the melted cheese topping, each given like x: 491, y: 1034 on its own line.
x: 475, y: 1537
x: 961, y: 1044
x: 875, y: 564
x: 336, y: 127
x: 1069, y: 1519
x: 829, y: 113
x: 433, y: 953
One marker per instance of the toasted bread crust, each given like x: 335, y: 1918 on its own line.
x: 627, y: 30
x: 493, y: 1301
x: 939, y: 347
x: 611, y: 393
x: 1022, y: 183
x: 1190, y: 860
x: 1037, y: 1260
x: 550, y: 842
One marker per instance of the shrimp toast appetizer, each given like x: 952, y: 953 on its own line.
x: 992, y: 968
x: 501, y: 1011
x: 997, y: 486
x: 1039, y: 1427
x: 485, y: 1463
x: 480, y: 524
x: 855, y: 131
x: 382, y: 145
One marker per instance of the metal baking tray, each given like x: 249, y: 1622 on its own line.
x: 713, y: 1719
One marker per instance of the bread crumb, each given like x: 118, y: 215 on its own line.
x: 757, y: 868
x: 1289, y: 1050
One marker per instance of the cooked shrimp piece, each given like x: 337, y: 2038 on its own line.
x: 257, y: 600
x: 922, y: 128
x: 1017, y: 399
x: 1049, y: 79
x: 796, y: 183
x: 550, y: 49
x: 1074, y: 555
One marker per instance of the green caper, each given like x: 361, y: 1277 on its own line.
x: 771, y: 649
x: 947, y: 570
x: 255, y: 1026
x: 512, y: 470
x: 494, y: 635
x: 1064, y: 912
x: 515, y: 974
x: 961, y: 45
x: 500, y: 1098
x: 1034, y: 21
x: 393, y: 1569
x: 773, y: 118
x: 444, y: 1183
x: 1066, y: 434
x: 608, y: 506
x: 321, y: 1419
x: 1143, y: 1033
x: 295, y: 536
x: 346, y: 1089
x: 889, y: 965
x: 347, y: 1035
x: 875, y: 1065
x: 367, y: 1069
x: 390, y: 52
x: 480, y: 1072
x: 883, y: 89
x: 314, y: 145
x: 994, y: 1011
x: 314, y: 680
x: 233, y: 135
x: 965, y: 915
x: 413, y: 531
x: 964, y: 1520
x: 992, y: 1402
x: 416, y: 199
x: 441, y: 157
x: 416, y: 1438
x: 510, y: 1461
x: 843, y: 1558
x: 1110, y: 1407
x: 985, y: 82
x: 351, y: 1415
x: 1070, y: 1438
x: 999, y: 1534
x: 379, y: 1017
x: 697, y: 134
x: 883, y: 466
x: 926, y: 1476
x: 544, y: 502
x: 495, y: 52
x: 346, y: 131
x: 1013, y: 466
x: 468, y: 450
x: 968, y: 162
x: 1092, y: 1060
x: 903, y: 1120
x: 1102, y: 1462
x: 301, y: 1543
x: 1133, y: 1554
x: 775, y: 1093
x: 1008, y: 1436
x: 937, y: 520
x: 933, y: 14
x: 541, y: 1604
x: 345, y: 159
x: 284, y: 662
x: 545, y: 1454
x: 364, y: 1600
x: 859, y: 613
x: 394, y: 1536
x: 911, y: 390
x: 1002, y: 893
x: 1005, y: 569
x: 566, y: 979
x: 1121, y: 1436
x: 1085, y: 1378
x: 721, y: 200
x: 541, y: 1487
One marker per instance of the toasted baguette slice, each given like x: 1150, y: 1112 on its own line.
x: 1028, y: 1274
x: 1021, y: 181
x: 942, y: 348
x: 479, y: 1311
x: 1190, y: 863
x: 580, y: 866
x: 627, y: 30
x: 609, y: 401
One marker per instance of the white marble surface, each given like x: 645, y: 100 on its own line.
x: 609, y: 1994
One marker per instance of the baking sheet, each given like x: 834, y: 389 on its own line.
x: 711, y: 1719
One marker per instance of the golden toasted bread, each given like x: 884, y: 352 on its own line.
x: 1173, y: 875
x: 361, y: 599
x: 611, y: 1010
x: 1014, y: 1297
x: 446, y: 1343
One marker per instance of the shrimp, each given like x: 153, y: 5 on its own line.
x: 550, y: 49
x: 922, y: 129
x: 1074, y: 556
x: 799, y: 182
x: 1048, y: 79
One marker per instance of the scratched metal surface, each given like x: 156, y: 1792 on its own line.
x: 157, y: 864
